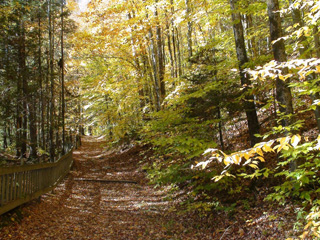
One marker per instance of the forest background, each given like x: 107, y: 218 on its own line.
x: 224, y: 93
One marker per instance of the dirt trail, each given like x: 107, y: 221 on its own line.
x: 99, y: 210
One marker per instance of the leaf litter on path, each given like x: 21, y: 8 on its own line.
x: 95, y: 210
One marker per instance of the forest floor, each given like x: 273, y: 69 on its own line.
x: 79, y: 209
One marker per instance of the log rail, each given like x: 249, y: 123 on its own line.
x: 21, y: 184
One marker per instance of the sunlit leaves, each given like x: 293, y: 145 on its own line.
x: 252, y: 156
x: 295, y: 140
x: 298, y: 67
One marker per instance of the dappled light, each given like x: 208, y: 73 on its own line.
x: 98, y: 210
x: 149, y: 119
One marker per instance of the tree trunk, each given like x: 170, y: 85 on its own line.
x: 33, y: 128
x: 155, y: 71
x: 51, y: 74
x: 220, y: 129
x: 252, y: 42
x: 22, y: 95
x: 170, y: 48
x: 160, y: 56
x: 283, y: 92
x: 250, y: 109
x: 62, y: 80
x: 180, y: 72
x: 42, y: 101
x: 189, y: 24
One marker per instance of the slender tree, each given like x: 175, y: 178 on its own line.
x: 283, y: 92
x: 250, y: 109
x: 189, y: 25
x: 62, y: 78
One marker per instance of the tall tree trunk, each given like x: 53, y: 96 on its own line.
x: 174, y: 46
x: 252, y: 42
x: 284, y: 96
x: 51, y: 74
x: 170, y: 48
x: 283, y: 92
x: 137, y: 65
x: 189, y: 25
x: 5, y: 142
x: 62, y: 79
x: 250, y: 109
x: 32, y: 127
x: 160, y: 56
x: 7, y: 106
x: 220, y: 129
x: 154, y: 74
x: 155, y: 71
x: 22, y: 95
x: 42, y: 93
x: 19, y: 117
x: 180, y: 72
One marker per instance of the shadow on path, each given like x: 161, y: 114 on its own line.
x: 99, y: 210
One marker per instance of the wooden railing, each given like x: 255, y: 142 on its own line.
x: 21, y: 184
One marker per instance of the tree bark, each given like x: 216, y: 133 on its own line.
x: 42, y: 92
x: 160, y: 56
x: 250, y: 109
x: 33, y: 127
x: 51, y: 74
x: 22, y: 90
x: 180, y: 72
x: 283, y: 92
x: 170, y: 48
x: 155, y: 71
x: 189, y: 25
x: 62, y: 80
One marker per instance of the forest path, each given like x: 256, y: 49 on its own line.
x: 99, y: 210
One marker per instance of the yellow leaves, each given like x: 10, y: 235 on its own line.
x: 253, y: 156
x: 237, y: 159
x: 227, y: 160
x: 260, y: 158
x: 295, y: 140
x: 284, y: 140
x: 284, y: 77
x: 246, y: 156
x: 312, y: 226
x: 257, y: 152
x: 254, y: 166
x: 267, y: 148
x: 283, y: 144
x: 281, y: 77
x: 218, y: 177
